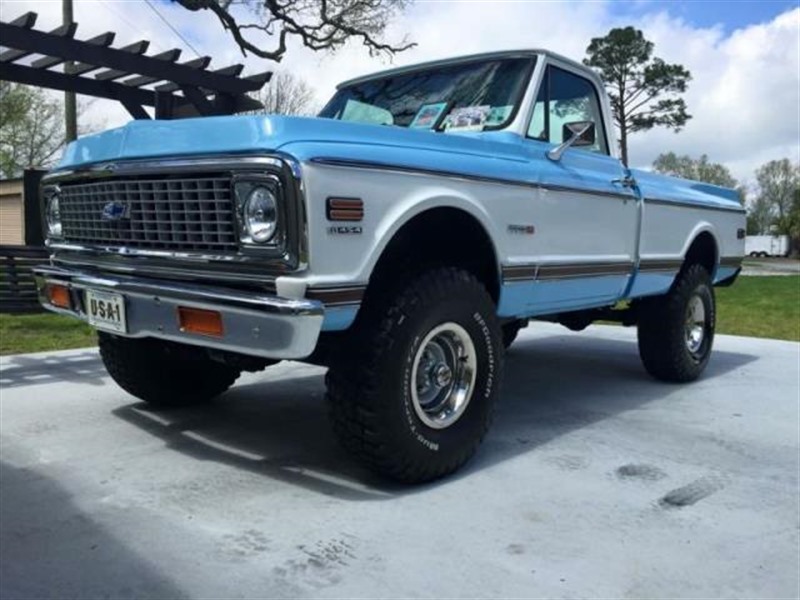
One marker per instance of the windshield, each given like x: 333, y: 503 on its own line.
x: 469, y: 96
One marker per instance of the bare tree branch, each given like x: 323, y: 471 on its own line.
x: 318, y: 24
x: 287, y: 94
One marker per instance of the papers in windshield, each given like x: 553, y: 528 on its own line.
x: 498, y: 114
x: 467, y: 118
x: 361, y: 112
x: 428, y: 116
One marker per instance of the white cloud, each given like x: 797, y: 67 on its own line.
x: 744, y: 96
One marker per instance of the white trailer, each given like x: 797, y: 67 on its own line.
x: 766, y: 245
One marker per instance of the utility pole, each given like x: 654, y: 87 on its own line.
x: 70, y: 107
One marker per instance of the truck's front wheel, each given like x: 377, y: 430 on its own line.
x: 676, y: 331
x: 164, y: 373
x: 415, y: 396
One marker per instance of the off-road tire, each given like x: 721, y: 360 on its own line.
x: 164, y: 374
x: 369, y: 391
x: 662, y: 321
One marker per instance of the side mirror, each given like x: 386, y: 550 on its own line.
x: 576, y: 133
x: 583, y: 131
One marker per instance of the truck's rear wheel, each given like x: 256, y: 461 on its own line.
x: 416, y: 395
x: 164, y: 373
x: 676, y: 331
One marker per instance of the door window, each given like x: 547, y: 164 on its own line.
x: 565, y: 98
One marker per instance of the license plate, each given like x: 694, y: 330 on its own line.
x: 106, y: 311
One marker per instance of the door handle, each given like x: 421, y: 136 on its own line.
x: 626, y: 182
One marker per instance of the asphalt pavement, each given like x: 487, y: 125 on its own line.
x: 595, y: 481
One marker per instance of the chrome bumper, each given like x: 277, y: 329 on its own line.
x: 254, y: 324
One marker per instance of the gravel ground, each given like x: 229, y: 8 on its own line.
x: 771, y: 266
x: 594, y: 482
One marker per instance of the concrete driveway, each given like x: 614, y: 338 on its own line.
x: 595, y: 481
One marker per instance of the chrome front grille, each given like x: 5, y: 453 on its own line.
x: 190, y: 214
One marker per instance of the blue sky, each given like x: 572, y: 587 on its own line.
x: 729, y: 14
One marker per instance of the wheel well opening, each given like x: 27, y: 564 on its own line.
x: 703, y: 251
x: 439, y: 236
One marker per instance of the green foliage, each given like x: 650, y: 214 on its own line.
x: 793, y: 228
x: 36, y: 333
x: 766, y: 307
x: 644, y: 90
x: 31, y: 128
x: 698, y: 169
x: 759, y: 216
x: 778, y: 183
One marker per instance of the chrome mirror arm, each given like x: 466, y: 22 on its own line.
x: 555, y: 153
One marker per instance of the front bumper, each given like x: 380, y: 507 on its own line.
x: 254, y: 324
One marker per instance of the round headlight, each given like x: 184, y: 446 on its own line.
x: 261, y: 214
x: 54, y: 216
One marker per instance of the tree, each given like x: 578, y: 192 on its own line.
x: 778, y: 182
x: 31, y: 128
x: 317, y: 24
x: 287, y: 94
x: 759, y: 217
x: 793, y: 223
x: 643, y: 89
x: 699, y: 169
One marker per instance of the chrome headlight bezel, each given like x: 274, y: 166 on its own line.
x: 52, y: 212
x: 250, y: 188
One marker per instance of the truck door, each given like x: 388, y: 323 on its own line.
x: 585, y: 209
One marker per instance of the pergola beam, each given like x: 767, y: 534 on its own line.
x: 185, y: 89
x: 32, y: 41
x: 104, y: 39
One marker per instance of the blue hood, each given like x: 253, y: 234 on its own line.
x: 497, y: 154
x: 253, y: 134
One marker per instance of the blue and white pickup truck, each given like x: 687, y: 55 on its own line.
x: 402, y: 239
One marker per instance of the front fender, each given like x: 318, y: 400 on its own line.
x: 420, y: 202
x: 391, y: 199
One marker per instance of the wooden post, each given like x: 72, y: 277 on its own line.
x: 70, y: 106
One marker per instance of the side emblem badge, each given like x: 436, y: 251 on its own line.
x: 521, y: 229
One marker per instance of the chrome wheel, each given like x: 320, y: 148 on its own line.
x: 695, y: 328
x: 443, y: 375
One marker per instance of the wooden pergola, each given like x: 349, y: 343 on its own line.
x: 93, y: 67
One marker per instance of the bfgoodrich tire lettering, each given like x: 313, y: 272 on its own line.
x: 370, y: 392
x: 676, y: 331
x: 164, y: 373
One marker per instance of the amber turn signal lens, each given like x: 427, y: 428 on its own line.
x: 59, y: 296
x: 345, y: 209
x: 200, y: 321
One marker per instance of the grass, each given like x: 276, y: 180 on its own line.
x: 767, y: 307
x: 39, y: 332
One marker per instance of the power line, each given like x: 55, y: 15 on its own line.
x: 110, y: 7
x: 168, y: 24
